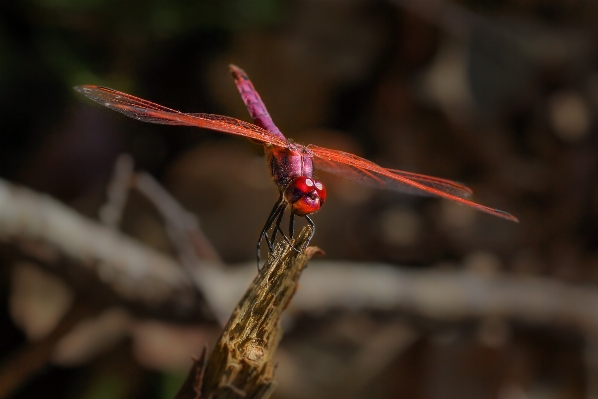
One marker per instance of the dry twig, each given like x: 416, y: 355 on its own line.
x: 241, y: 364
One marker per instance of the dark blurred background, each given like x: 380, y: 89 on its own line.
x: 499, y: 95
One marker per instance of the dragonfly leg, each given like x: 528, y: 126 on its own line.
x: 276, y: 230
x: 276, y: 210
x: 292, y: 230
x: 273, y: 222
x: 287, y: 239
x: 292, y: 225
x: 313, y: 229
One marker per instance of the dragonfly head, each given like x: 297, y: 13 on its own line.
x: 306, y: 195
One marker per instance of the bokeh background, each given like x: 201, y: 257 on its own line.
x: 499, y: 95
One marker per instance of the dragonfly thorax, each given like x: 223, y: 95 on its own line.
x: 288, y: 163
x: 305, y: 195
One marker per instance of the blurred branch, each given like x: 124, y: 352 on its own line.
x: 181, y: 225
x: 41, y: 228
x: 118, y: 189
x: 436, y: 294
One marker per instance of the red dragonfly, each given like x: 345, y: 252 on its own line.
x: 291, y: 165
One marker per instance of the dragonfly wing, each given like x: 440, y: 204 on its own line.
x: 147, y: 111
x: 366, y: 172
x: 369, y: 178
x: 448, y: 186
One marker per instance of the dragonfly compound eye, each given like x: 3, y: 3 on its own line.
x: 306, y: 195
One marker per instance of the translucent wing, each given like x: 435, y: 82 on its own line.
x: 448, y: 186
x: 147, y: 111
x: 366, y: 172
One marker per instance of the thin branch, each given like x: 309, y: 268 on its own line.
x: 118, y: 189
x: 195, y: 251
x: 181, y: 225
x: 45, y: 230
